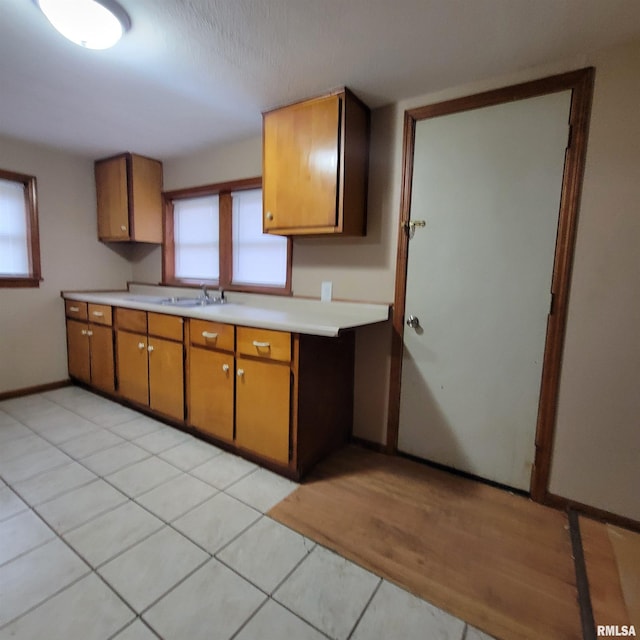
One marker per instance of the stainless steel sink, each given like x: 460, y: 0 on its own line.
x: 192, y: 302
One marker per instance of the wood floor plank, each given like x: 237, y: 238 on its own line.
x: 607, y: 599
x: 626, y: 549
x: 496, y: 560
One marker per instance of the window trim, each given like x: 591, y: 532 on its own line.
x: 223, y: 190
x: 33, y: 234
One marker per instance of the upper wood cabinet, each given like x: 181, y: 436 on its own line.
x: 315, y: 167
x: 129, y: 196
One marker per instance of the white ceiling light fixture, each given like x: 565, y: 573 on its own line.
x: 94, y: 24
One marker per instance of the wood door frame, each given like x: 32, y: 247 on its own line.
x: 580, y: 82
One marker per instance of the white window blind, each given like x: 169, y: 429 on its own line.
x: 14, y: 232
x: 196, y: 238
x: 258, y: 258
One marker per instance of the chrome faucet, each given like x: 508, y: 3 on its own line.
x: 205, y: 294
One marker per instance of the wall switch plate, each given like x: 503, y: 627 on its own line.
x: 325, y: 291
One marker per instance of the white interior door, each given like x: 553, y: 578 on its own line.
x: 488, y: 184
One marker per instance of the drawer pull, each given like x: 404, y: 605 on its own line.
x: 123, y: 227
x: 225, y: 368
x: 261, y: 345
x: 240, y: 373
x: 150, y: 348
x: 74, y: 309
x: 84, y: 332
x: 98, y: 314
x: 141, y: 345
x: 208, y: 335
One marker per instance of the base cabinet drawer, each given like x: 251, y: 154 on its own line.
x: 263, y: 396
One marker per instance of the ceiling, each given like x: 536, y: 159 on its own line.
x: 192, y: 73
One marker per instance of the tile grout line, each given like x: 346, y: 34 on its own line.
x: 366, y: 606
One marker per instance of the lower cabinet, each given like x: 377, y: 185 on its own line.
x: 166, y: 377
x: 90, y: 354
x: 151, y: 368
x: 211, y: 392
x: 263, y: 398
x: 283, y: 399
x: 133, y: 366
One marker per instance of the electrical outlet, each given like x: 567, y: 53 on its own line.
x: 325, y: 291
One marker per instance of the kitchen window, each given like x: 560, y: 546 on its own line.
x: 213, y: 235
x: 19, y: 239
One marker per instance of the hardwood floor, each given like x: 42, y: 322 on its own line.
x: 499, y: 561
x: 612, y: 558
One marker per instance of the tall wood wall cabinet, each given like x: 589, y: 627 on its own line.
x: 315, y: 167
x: 129, y: 197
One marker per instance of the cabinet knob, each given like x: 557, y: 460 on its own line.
x: 84, y: 332
x: 150, y: 348
x: 240, y: 373
x: 123, y: 227
x: 269, y: 215
x: 141, y: 345
x: 225, y: 368
x: 89, y: 333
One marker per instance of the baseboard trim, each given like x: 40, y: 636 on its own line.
x: 368, y: 444
x: 40, y: 388
x: 565, y: 504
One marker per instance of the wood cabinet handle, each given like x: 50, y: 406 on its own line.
x: 261, y: 345
x: 98, y: 314
x: 208, y: 335
x: 123, y: 227
x: 74, y: 309
x: 141, y: 345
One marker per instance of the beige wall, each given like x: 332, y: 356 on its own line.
x: 597, y: 448
x: 597, y: 445
x: 32, y: 330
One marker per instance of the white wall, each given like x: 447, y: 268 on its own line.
x: 32, y: 329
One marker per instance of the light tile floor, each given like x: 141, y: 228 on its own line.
x: 116, y: 526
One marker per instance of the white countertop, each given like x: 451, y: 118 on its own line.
x: 281, y: 313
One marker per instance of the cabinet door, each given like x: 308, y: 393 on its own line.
x: 263, y: 391
x: 133, y: 372
x: 112, y: 199
x: 78, y: 350
x: 102, y: 371
x: 146, y: 199
x: 300, y: 175
x: 166, y: 377
x: 211, y: 377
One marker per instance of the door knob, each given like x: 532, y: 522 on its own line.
x: 413, y: 322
